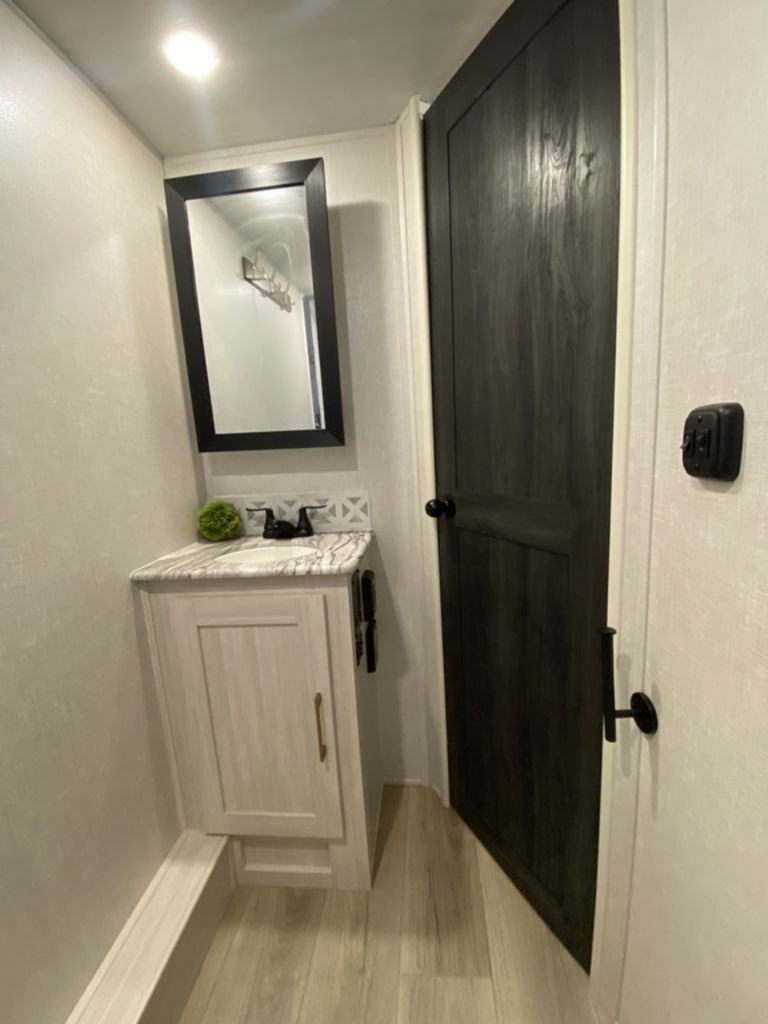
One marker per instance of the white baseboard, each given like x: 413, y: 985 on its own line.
x: 148, y: 973
x: 286, y: 877
x: 442, y: 797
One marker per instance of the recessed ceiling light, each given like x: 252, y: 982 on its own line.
x: 191, y: 54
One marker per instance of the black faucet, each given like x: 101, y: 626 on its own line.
x: 281, y: 529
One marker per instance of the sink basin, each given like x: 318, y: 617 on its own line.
x: 269, y: 556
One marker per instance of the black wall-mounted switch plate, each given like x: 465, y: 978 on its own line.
x: 712, y: 439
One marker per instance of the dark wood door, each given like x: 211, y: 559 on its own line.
x: 522, y: 191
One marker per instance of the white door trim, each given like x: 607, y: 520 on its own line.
x: 409, y: 141
x: 639, y: 320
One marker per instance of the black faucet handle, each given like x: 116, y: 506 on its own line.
x: 270, y: 516
x: 304, y: 527
x: 270, y: 523
x: 275, y: 529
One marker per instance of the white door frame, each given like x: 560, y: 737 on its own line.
x: 638, y: 332
x: 409, y: 153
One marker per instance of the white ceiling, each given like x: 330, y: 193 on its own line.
x: 288, y: 68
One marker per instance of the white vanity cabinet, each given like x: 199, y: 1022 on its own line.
x: 270, y: 722
x: 250, y: 699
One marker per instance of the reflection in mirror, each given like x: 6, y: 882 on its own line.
x: 251, y: 256
x: 255, y: 293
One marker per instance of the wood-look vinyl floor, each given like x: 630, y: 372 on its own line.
x: 443, y: 937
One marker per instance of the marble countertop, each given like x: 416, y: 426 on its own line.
x: 337, y: 554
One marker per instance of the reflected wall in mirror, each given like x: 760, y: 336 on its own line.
x: 253, y: 273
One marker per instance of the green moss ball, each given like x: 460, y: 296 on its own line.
x: 218, y: 520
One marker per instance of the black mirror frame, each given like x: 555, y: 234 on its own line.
x: 311, y: 174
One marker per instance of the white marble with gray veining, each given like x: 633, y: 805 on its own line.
x: 337, y: 554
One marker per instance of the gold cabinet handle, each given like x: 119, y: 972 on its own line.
x: 321, y: 747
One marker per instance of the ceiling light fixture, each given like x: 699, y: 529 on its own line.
x: 191, y: 54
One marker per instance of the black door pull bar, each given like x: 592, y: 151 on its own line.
x: 641, y: 709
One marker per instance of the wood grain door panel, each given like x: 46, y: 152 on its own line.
x: 522, y: 191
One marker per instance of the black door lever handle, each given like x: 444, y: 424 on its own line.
x: 641, y: 708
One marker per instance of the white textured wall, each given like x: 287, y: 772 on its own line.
x: 698, y: 934
x: 256, y: 352
x: 379, y: 410
x: 96, y: 476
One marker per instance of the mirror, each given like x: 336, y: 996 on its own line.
x: 252, y: 262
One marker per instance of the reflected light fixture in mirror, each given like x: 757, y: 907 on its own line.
x: 191, y: 54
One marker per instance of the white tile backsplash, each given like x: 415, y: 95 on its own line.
x: 347, y: 511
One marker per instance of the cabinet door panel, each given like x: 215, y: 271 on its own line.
x: 243, y: 714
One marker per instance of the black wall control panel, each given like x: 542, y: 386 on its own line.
x: 712, y: 438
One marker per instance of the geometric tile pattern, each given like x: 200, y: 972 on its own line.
x: 347, y: 511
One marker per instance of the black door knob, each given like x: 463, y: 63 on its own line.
x: 437, y: 507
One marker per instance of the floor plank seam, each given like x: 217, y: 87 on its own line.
x: 496, y: 1009
x: 406, y: 811
x: 305, y: 982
